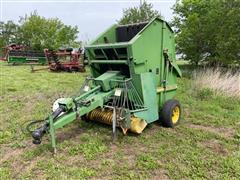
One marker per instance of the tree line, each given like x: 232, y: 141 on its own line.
x: 207, y: 31
x: 38, y: 33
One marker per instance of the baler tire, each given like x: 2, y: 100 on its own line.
x: 171, y: 113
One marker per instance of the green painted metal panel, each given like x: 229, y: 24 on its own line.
x: 23, y: 60
x: 65, y: 119
x: 109, y: 62
x: 144, y: 55
x: 149, y: 96
x: 97, y: 100
x: 104, y: 79
x: 109, y: 34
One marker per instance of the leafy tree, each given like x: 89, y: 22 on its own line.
x: 208, y: 30
x: 8, y: 33
x: 39, y: 32
x: 138, y: 14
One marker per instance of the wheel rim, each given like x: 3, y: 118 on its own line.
x: 175, y: 114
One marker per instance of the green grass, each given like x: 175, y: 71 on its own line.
x: 204, y: 145
x: 90, y: 149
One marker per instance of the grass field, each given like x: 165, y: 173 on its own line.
x: 204, y: 145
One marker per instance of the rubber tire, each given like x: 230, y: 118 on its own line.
x: 166, y: 113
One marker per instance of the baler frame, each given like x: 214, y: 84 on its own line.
x: 145, y: 65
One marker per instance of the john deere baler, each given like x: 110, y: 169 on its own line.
x: 132, y: 84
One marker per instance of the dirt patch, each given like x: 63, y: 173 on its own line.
x: 21, y: 167
x: 10, y: 153
x: 187, y: 113
x: 69, y: 134
x: 159, y: 174
x: 17, y: 163
x: 215, y: 146
x: 222, y: 131
x: 128, y: 155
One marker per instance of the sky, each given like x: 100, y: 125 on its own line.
x: 92, y: 17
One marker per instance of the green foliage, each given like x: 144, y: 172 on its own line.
x: 147, y: 161
x: 208, y: 30
x: 38, y: 33
x: 89, y: 148
x: 138, y: 14
x: 8, y: 34
x: 41, y: 33
x: 54, y: 170
x: 5, y: 173
x: 204, y: 145
x: 204, y: 93
x: 4, y: 136
x: 82, y: 173
x: 33, y: 153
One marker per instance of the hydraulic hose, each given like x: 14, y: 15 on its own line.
x: 30, y: 124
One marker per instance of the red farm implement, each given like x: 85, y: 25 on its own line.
x: 11, y: 47
x: 63, y: 60
x: 18, y: 54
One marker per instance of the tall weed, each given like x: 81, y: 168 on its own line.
x: 220, y: 81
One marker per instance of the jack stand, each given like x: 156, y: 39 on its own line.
x: 114, y: 122
x: 52, y: 133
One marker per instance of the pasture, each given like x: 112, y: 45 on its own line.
x: 204, y: 145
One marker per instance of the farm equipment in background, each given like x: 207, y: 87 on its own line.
x: 11, y: 47
x: 20, y: 54
x: 63, y: 60
x: 132, y: 84
x: 4, y: 54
